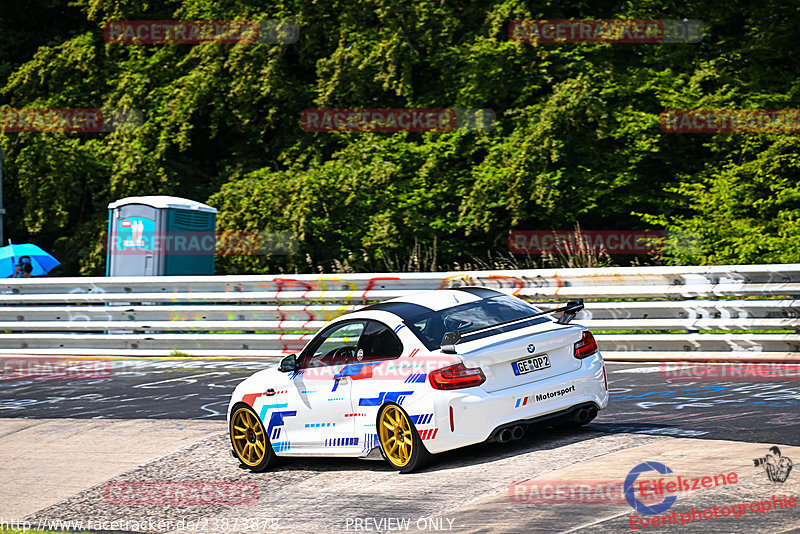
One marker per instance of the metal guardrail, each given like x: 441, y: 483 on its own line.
x: 748, y: 312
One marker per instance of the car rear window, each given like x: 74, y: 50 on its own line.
x: 431, y: 327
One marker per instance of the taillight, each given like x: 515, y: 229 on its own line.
x: 456, y: 377
x: 586, y: 346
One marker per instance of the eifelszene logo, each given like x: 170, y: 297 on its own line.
x: 666, y: 487
x: 630, y: 496
x: 777, y: 467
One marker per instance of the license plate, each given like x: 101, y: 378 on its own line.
x: 529, y: 365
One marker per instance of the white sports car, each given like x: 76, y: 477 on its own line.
x: 420, y: 375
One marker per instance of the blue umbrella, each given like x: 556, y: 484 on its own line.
x: 41, y: 261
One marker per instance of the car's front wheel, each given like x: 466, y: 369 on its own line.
x: 400, y: 441
x: 249, y: 439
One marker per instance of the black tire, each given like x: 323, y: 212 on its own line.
x: 419, y: 457
x: 249, y: 440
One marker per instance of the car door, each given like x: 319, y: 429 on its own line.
x: 324, y: 423
x: 371, y: 386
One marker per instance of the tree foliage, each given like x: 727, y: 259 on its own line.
x: 577, y: 139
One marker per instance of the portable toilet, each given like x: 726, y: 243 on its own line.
x: 160, y: 235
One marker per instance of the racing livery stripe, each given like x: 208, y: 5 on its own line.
x: 428, y: 433
x: 356, y: 371
x: 341, y: 442
x: 276, y: 420
x: 281, y: 446
x: 370, y: 442
x: 416, y: 378
x: 266, y: 407
x: 422, y: 419
x: 250, y: 398
x: 385, y: 396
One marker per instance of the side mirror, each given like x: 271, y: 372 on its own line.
x: 289, y: 363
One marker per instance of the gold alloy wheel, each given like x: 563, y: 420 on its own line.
x: 248, y: 437
x: 395, y: 434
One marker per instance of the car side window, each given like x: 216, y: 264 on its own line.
x: 377, y: 343
x: 336, y: 345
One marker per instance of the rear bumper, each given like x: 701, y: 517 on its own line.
x: 477, y: 414
x: 552, y: 418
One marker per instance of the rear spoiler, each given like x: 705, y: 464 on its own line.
x: 572, y: 308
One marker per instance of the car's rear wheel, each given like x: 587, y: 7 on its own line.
x: 249, y: 439
x: 400, y: 441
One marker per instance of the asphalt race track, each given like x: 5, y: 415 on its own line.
x: 641, y: 399
x: 68, y: 445
x: 136, y: 389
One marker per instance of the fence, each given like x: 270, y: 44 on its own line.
x: 748, y: 313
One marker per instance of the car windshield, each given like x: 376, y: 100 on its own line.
x: 431, y: 327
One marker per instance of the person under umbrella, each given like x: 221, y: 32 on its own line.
x: 24, y: 268
x: 25, y: 261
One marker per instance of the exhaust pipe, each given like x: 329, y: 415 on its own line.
x: 505, y: 435
x: 517, y: 432
x: 583, y: 415
x: 580, y: 416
